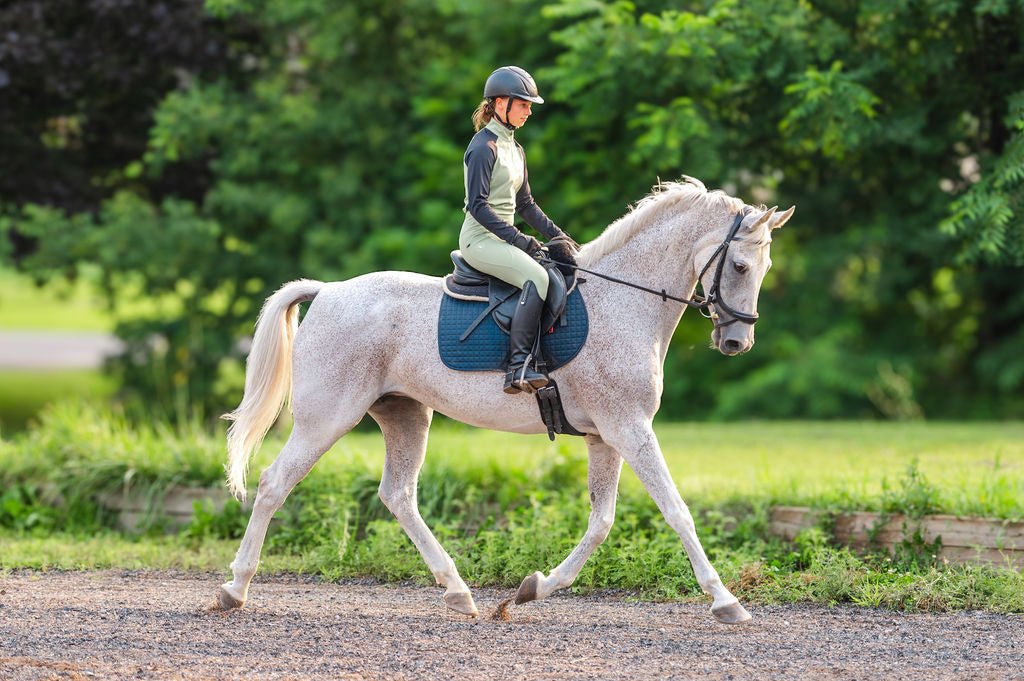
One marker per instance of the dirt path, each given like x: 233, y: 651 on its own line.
x: 157, y: 625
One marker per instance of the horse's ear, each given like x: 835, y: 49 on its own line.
x: 779, y: 220
x: 765, y: 217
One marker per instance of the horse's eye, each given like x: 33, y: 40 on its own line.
x: 740, y: 267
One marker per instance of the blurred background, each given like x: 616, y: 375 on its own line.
x: 164, y: 166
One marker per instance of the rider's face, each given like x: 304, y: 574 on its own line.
x: 519, y: 112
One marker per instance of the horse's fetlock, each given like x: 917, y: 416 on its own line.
x: 245, y: 571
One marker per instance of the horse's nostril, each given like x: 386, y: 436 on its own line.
x: 732, y: 345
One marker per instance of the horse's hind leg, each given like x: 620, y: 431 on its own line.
x: 405, y: 424
x: 603, y: 481
x: 310, y: 438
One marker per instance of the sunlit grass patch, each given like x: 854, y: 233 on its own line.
x: 53, y: 307
x: 23, y: 394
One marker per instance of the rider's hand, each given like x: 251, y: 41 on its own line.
x: 526, y: 243
x: 562, y: 251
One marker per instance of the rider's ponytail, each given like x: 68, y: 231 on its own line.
x: 483, y: 114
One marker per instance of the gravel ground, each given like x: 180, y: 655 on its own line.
x: 160, y: 625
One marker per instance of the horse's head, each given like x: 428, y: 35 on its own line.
x: 731, y: 268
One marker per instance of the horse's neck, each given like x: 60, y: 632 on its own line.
x: 659, y: 257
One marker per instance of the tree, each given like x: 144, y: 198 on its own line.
x: 866, y: 115
x: 334, y: 147
x: 78, y: 85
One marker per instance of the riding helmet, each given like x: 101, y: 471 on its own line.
x: 512, y: 81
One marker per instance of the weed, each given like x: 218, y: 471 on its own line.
x: 915, y: 496
x: 22, y: 508
x: 209, y: 523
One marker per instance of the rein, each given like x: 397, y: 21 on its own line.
x: 698, y: 301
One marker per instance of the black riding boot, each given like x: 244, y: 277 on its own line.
x: 522, y: 335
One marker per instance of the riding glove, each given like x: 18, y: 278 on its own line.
x: 562, y: 251
x: 526, y: 243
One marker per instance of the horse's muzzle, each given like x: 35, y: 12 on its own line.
x: 731, y: 344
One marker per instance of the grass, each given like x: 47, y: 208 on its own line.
x: 975, y: 468
x: 53, y: 307
x: 506, y: 505
x: 63, y: 306
x: 23, y: 394
x: 58, y: 306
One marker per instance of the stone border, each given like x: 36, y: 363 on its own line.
x: 964, y: 540
x: 174, y: 505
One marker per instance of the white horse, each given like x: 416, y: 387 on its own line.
x: 369, y: 345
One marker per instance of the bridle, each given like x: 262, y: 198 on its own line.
x: 714, y: 295
x: 701, y: 301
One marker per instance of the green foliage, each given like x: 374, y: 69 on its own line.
x: 989, y: 216
x: 22, y: 508
x: 831, y: 112
x: 77, y: 455
x: 522, y: 506
x: 328, y: 141
x: 209, y: 523
x: 914, y: 497
x: 79, y: 82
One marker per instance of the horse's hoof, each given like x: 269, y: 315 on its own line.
x: 528, y: 589
x: 227, y: 601
x: 732, y: 613
x: 461, y: 602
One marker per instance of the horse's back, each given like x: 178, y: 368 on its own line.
x: 377, y: 296
x: 375, y: 313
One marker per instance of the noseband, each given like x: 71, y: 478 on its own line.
x: 700, y: 301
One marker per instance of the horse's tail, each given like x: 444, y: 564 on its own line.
x: 268, y: 377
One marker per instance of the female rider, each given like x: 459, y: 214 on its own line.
x: 497, y: 187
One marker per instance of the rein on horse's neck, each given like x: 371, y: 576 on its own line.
x: 662, y: 255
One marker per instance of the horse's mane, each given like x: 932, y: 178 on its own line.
x: 688, y: 194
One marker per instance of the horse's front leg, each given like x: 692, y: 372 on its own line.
x: 639, y: 446
x: 603, y: 481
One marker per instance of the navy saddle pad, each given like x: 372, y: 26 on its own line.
x: 486, y: 348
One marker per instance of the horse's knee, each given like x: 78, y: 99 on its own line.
x: 601, y: 525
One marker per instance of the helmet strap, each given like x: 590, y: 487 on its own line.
x: 508, y: 108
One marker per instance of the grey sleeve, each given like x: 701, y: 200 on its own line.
x: 479, y: 160
x: 528, y: 209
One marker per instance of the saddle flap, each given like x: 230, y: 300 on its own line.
x: 558, y: 293
x: 508, y: 295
